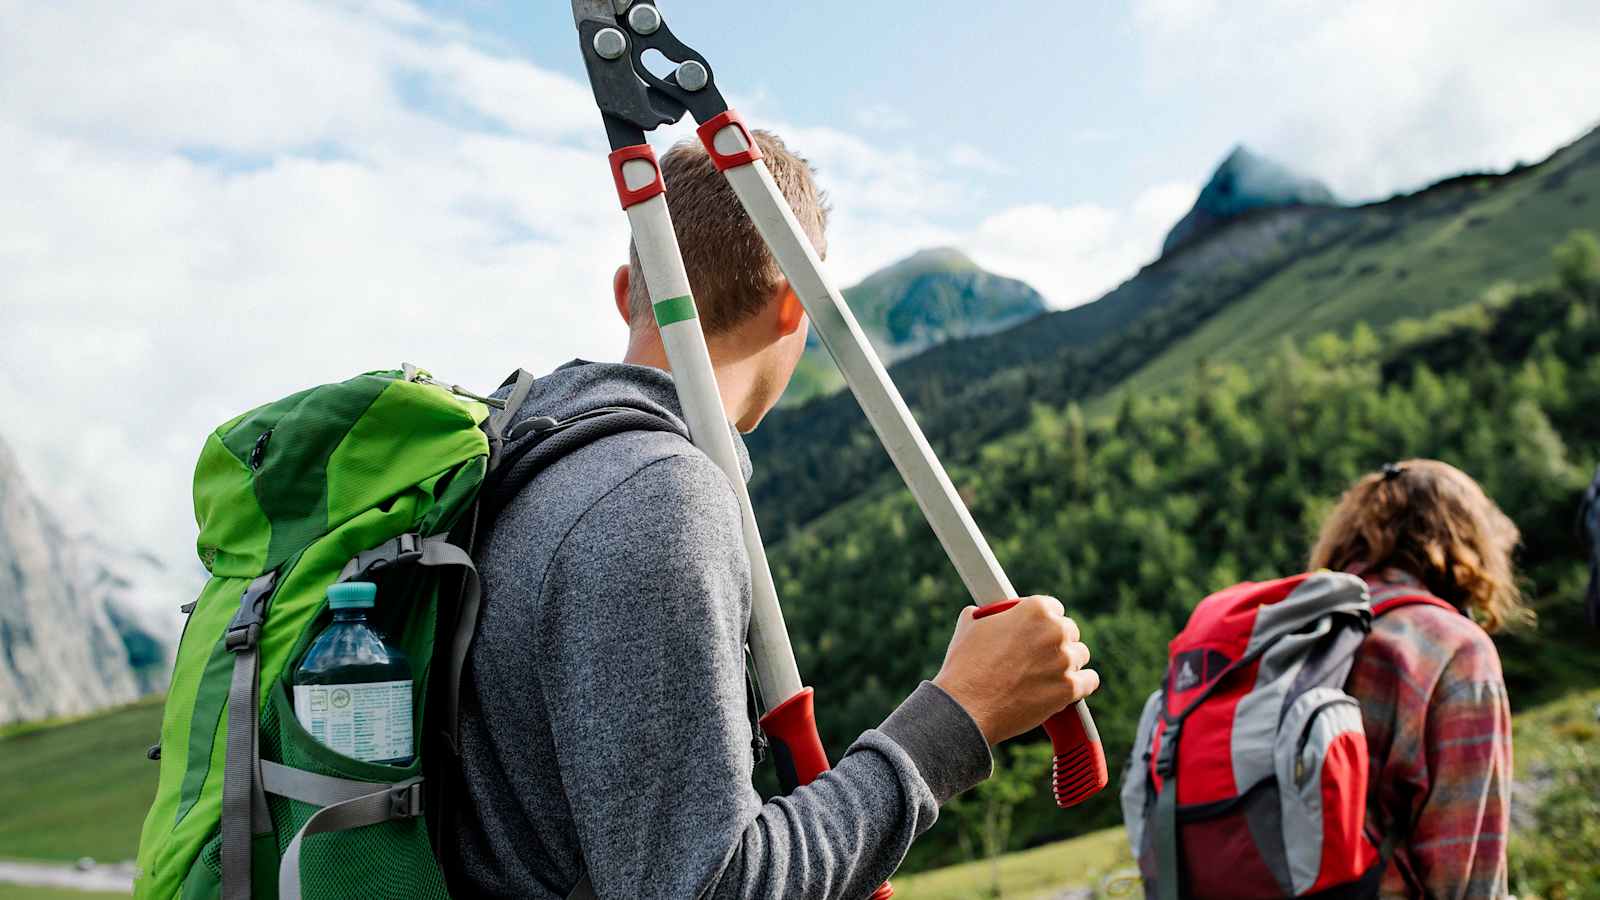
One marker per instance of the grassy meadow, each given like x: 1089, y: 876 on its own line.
x: 67, y: 790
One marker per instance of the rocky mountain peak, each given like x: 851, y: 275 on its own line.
x: 1245, y: 181
x: 74, y: 633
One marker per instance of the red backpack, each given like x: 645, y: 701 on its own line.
x: 1249, y: 774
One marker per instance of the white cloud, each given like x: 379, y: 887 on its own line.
x: 1161, y: 206
x: 211, y: 204
x: 1074, y: 254
x: 215, y: 203
x: 1375, y: 96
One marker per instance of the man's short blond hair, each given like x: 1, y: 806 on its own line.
x: 731, y: 272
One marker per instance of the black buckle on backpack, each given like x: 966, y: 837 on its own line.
x: 242, y: 635
x: 244, y: 632
x: 405, y: 799
x: 407, y: 549
x: 1167, y: 756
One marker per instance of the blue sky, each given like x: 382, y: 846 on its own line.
x: 934, y: 74
x: 212, y: 203
x: 1097, y: 101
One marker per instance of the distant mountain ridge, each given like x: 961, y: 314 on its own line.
x: 1244, y: 181
x: 938, y: 294
x: 930, y: 297
x: 1233, y: 293
x: 74, y: 634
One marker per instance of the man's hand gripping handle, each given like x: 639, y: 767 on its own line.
x: 1079, y: 771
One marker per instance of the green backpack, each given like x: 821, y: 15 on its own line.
x: 385, y: 477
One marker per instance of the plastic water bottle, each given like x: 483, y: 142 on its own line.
x: 351, y: 691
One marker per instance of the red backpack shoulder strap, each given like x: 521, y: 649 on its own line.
x: 1392, y: 598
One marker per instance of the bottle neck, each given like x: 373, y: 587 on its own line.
x: 350, y: 615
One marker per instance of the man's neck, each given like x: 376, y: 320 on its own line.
x: 735, y: 378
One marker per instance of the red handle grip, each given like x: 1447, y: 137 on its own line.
x: 1079, y: 770
x: 791, y: 729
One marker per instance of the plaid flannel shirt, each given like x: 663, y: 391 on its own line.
x: 1438, y: 724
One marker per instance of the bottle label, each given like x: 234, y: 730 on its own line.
x: 370, y: 722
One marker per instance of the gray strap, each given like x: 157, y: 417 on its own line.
x: 1164, y: 820
x: 244, y: 804
x: 403, y: 549
x: 387, y: 803
x: 310, y: 787
x: 437, y: 551
x: 1396, y: 591
x: 522, y: 383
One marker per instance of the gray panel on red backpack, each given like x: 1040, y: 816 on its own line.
x: 1262, y: 748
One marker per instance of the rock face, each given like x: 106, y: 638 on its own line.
x: 1244, y: 182
x: 73, y: 637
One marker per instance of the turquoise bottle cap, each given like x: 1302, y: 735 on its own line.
x: 352, y: 595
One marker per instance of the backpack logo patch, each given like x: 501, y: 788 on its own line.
x: 1187, y: 676
x: 1193, y: 668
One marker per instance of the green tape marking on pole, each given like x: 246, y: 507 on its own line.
x: 674, y: 309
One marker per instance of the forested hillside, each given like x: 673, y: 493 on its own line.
x: 1232, y: 294
x: 1132, y: 519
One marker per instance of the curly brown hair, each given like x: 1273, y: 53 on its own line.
x: 1432, y: 521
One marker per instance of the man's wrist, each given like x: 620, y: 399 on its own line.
x: 941, y: 737
x: 962, y: 698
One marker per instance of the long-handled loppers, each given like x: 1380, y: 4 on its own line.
x: 614, y: 35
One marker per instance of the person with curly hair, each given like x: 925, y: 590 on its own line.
x: 1433, y: 699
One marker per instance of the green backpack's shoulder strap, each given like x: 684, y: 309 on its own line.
x: 521, y: 383
x: 528, y: 447
x: 244, y: 803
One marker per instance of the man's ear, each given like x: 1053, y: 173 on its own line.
x: 620, y: 282
x: 791, y: 312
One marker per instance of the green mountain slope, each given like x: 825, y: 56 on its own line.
x: 79, y: 788
x: 1233, y: 294
x: 1132, y: 519
x: 921, y: 301
x: 1411, y: 257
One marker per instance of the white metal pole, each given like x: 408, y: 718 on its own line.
x: 864, y: 373
x: 1080, y: 765
x: 696, y: 383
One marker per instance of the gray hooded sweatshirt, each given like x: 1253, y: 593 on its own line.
x: 605, y: 724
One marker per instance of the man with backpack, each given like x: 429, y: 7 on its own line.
x: 606, y: 740
x: 1344, y: 733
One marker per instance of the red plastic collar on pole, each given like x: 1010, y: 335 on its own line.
x: 794, y: 723
x: 725, y: 161
x: 630, y: 196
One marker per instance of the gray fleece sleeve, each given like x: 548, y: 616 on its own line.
x: 645, y: 608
